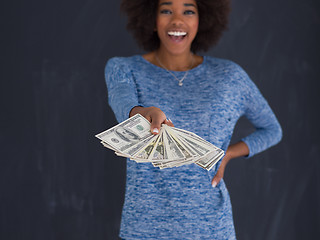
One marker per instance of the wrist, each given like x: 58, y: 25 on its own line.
x: 229, y: 153
x: 227, y: 157
x: 239, y: 149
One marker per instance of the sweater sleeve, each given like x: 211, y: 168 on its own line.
x: 122, y: 92
x: 268, y: 130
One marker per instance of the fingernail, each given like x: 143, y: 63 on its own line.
x: 155, y: 130
x: 169, y: 120
x: 214, y: 184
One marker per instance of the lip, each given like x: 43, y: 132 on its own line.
x: 177, y: 39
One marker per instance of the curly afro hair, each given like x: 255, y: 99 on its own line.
x: 213, y: 20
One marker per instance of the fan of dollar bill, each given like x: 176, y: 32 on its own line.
x: 172, y: 147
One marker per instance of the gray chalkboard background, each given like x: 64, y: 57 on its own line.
x: 58, y: 182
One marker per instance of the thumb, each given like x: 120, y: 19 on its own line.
x: 155, y: 126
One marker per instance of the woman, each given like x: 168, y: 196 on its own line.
x: 201, y: 94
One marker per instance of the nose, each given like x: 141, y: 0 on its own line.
x: 176, y: 20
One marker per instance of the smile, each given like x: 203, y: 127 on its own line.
x: 177, y: 36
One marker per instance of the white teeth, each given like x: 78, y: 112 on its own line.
x: 177, y: 34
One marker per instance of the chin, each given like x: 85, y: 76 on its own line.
x: 176, y: 50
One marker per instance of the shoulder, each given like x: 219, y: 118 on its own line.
x: 232, y: 69
x: 230, y: 74
x: 124, y: 63
x: 224, y: 64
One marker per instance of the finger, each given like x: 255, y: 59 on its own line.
x: 168, y: 122
x: 148, y: 118
x: 217, y: 178
x: 155, y: 125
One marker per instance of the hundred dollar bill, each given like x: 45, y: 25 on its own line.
x: 200, y: 148
x: 210, y: 160
x: 143, y: 154
x: 164, y: 162
x: 180, y: 145
x: 108, y: 146
x: 177, y: 154
x: 160, y: 153
x: 176, y: 163
x: 181, y: 142
x: 210, y: 153
x: 213, y: 162
x: 130, y: 152
x: 137, y: 147
x: 194, y: 136
x: 126, y: 134
x: 172, y: 149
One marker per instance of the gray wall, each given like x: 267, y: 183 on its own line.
x: 57, y: 182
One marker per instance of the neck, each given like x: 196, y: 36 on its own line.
x: 181, y: 62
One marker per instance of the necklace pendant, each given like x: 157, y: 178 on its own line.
x: 185, y: 75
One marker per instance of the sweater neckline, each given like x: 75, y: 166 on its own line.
x: 200, y: 66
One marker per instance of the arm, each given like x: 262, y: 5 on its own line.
x: 122, y: 92
x: 239, y: 149
x: 123, y: 96
x: 257, y: 110
x: 268, y: 130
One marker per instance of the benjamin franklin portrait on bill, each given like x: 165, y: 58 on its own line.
x: 126, y: 134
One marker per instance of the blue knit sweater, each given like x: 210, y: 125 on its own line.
x: 180, y: 203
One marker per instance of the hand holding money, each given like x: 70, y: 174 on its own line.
x: 154, y: 115
x: 172, y: 147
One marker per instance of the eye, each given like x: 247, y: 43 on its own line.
x: 165, y: 11
x: 189, y: 12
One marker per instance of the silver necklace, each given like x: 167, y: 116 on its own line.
x: 184, y: 76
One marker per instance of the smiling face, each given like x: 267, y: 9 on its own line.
x: 177, y: 25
